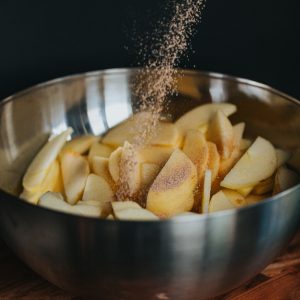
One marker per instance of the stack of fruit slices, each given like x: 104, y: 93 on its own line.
x: 199, y: 164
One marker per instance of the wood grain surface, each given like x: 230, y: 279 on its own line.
x: 279, y: 281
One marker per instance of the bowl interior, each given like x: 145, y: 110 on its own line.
x: 97, y: 101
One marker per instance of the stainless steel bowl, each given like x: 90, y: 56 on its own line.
x: 193, y: 258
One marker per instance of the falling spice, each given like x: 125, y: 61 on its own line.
x: 155, y: 82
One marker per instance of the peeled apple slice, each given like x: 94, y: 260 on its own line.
x: 49, y: 184
x: 206, y: 191
x: 201, y: 115
x: 98, y: 189
x: 220, y: 131
x: 80, y: 144
x: 258, y: 163
x: 38, y: 168
x: 170, y: 192
x: 55, y: 201
x: 75, y: 170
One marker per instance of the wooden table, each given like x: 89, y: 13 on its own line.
x: 279, y: 281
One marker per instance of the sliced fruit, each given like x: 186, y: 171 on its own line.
x: 245, y: 191
x: 135, y: 214
x: 220, y: 131
x: 201, y: 115
x: 80, y: 144
x: 219, y: 202
x: 38, y: 168
x: 206, y: 191
x: 114, y: 164
x: 282, y: 157
x: 167, y: 134
x: 49, y: 184
x: 257, y: 164
x: 263, y: 187
x: 31, y: 197
x: 213, y: 160
x: 98, y: 149
x: 75, y: 170
x: 236, y: 198
x: 100, y: 168
x: 55, y: 201
x: 98, y: 189
x: 155, y: 154
x: 149, y: 173
x: 196, y: 148
x: 226, y: 199
x: 285, y: 179
x: 130, y: 172
x: 120, y: 205
x: 170, y: 192
x: 227, y: 164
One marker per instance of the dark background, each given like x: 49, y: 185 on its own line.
x: 41, y: 40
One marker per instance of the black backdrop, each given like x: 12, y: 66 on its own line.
x: 40, y: 40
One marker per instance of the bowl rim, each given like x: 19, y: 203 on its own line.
x: 5, y: 196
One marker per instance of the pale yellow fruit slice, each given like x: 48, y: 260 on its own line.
x: 282, y: 157
x: 49, y: 184
x: 285, y: 179
x: 202, y: 114
x: 196, y: 148
x: 236, y: 198
x: 263, y: 187
x: 130, y: 171
x: 219, y: 202
x: 114, y: 164
x: 135, y: 214
x: 213, y: 160
x: 220, y: 131
x: 257, y: 164
x: 120, y: 205
x: 226, y: 199
x: 75, y: 170
x: 245, y: 191
x: 55, y: 201
x: 170, y: 192
x: 38, y: 168
x: 227, y: 164
x: 80, y: 144
x: 98, y: 189
x: 100, y: 168
x: 206, y: 191
x: 166, y: 134
x: 98, y: 149
x: 149, y: 173
x: 155, y: 155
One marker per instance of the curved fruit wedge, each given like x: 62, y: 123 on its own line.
x: 200, y: 115
x: 38, y: 168
x: 170, y: 192
x: 75, y: 170
x: 220, y: 131
x: 258, y: 163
